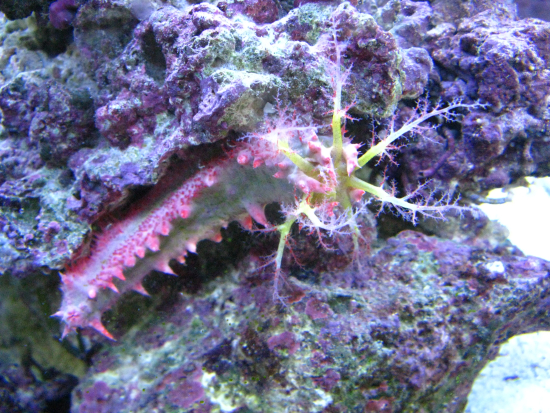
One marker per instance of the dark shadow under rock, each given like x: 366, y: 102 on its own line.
x: 37, y: 372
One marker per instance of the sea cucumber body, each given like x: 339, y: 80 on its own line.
x: 149, y: 237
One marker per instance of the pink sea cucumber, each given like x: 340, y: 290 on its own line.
x: 166, y: 228
x: 319, y: 170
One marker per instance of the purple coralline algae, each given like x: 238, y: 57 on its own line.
x: 408, y: 332
x: 62, y: 13
x: 101, y: 100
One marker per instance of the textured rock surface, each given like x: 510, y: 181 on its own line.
x: 94, y: 111
x: 170, y: 78
x: 406, y: 333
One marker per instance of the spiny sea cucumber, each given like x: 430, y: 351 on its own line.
x: 167, y: 228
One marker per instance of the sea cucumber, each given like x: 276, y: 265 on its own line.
x: 164, y: 228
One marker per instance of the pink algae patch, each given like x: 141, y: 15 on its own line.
x: 317, y: 309
x: 284, y: 341
x: 187, y: 394
x: 328, y: 380
x: 186, y: 389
